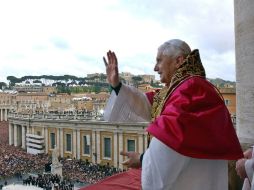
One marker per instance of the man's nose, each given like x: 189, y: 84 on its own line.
x: 156, y: 68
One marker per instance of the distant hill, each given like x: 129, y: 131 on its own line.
x: 66, y: 79
x: 222, y: 83
x: 13, y: 79
x: 102, y: 77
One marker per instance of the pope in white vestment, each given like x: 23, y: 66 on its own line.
x: 162, y: 167
x: 192, y: 136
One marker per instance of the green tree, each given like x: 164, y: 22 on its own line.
x: 3, y: 85
x: 136, y: 80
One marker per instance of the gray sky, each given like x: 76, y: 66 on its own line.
x: 58, y: 37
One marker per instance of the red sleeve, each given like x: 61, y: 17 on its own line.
x: 196, y: 123
x: 150, y: 96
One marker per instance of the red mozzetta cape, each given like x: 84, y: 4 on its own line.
x: 196, y: 123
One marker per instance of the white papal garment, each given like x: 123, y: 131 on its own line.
x: 162, y: 167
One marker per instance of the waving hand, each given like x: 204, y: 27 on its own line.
x: 112, y: 68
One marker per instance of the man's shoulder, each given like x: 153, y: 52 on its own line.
x: 196, y: 85
x: 198, y: 81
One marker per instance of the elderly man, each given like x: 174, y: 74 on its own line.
x: 191, y: 129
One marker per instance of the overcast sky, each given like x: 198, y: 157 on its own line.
x: 51, y: 37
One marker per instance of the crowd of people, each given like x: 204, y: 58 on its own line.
x: 4, y: 133
x: 83, y: 171
x: 47, y: 181
x: 14, y: 162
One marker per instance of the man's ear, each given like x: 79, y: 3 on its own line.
x: 179, y: 61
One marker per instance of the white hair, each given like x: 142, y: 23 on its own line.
x: 175, y: 47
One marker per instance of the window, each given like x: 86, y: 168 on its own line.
x: 107, y: 147
x: 227, y: 102
x: 86, y: 144
x: 131, y: 145
x: 52, y: 140
x: 68, y: 142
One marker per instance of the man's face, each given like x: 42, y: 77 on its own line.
x: 165, y: 66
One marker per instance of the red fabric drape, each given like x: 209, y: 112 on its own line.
x: 196, y: 123
x: 129, y: 180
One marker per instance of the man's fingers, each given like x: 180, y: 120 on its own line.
x: 126, y: 162
x: 115, y: 58
x: 112, y: 59
x: 123, y: 153
x: 105, y: 61
x: 109, y: 54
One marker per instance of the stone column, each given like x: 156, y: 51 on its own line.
x: 43, y: 135
x: 74, y: 143
x: 116, y: 150
x: 94, y: 147
x: 98, y: 142
x: 60, y: 141
x: 78, y: 143
x: 46, y: 139
x: 1, y: 114
x: 11, y: 131
x: 120, y: 135
x: 28, y: 129
x: 140, y: 143
x: 15, y: 135
x: 42, y: 131
x: 23, y: 144
x: 244, y: 51
x: 5, y: 118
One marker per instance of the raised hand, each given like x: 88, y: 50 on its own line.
x: 112, y: 68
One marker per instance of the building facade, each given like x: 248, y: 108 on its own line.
x: 95, y: 141
x: 6, y: 104
x: 229, y: 96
